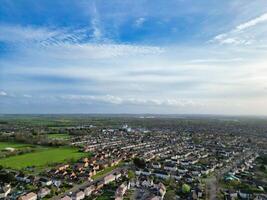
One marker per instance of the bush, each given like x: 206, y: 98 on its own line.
x: 186, y: 188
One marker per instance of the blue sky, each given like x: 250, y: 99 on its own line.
x: 120, y: 56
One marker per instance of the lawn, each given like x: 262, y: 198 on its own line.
x: 4, y: 145
x: 42, y: 158
x: 106, y: 195
x: 105, y: 171
x: 58, y: 136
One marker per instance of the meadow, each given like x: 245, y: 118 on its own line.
x: 42, y: 158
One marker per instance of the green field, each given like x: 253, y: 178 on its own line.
x: 4, y: 145
x: 58, y: 136
x: 41, y: 158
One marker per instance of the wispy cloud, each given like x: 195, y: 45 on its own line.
x: 247, y: 33
x: 43, y: 36
x: 97, y: 34
x: 253, y: 22
x: 68, y: 42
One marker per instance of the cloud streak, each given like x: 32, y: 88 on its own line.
x: 246, y: 33
x: 253, y: 22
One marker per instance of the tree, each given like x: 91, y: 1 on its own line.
x: 140, y: 163
x: 186, y: 188
x: 7, y: 177
x: 131, y: 174
x: 170, y: 195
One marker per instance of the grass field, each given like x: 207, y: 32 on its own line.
x: 58, y: 136
x: 41, y: 158
x: 4, y: 145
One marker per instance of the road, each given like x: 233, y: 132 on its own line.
x: 212, y: 185
x: 77, y: 187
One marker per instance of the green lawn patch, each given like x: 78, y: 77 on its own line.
x: 14, y: 145
x: 41, y: 158
x: 104, y: 172
x: 106, y: 195
x: 58, y: 136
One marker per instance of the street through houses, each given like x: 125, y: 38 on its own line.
x: 83, y: 185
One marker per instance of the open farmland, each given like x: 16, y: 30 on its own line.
x: 41, y: 158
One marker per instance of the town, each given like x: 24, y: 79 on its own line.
x: 146, y: 158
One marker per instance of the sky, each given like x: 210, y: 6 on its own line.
x: 125, y: 56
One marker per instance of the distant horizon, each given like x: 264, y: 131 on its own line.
x: 138, y: 114
x: 143, y: 56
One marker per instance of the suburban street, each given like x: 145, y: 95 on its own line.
x: 85, y: 184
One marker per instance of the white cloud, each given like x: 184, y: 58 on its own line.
x: 130, y: 100
x: 139, y: 22
x: 217, y: 60
x: 27, y: 96
x: 3, y: 93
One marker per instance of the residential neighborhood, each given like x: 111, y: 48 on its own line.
x: 127, y: 162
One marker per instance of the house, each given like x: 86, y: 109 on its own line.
x: 22, y: 178
x: 244, y: 195
x: 121, y: 191
x: 45, y: 181
x: 4, y: 191
x: 147, y: 183
x: 182, y: 170
x: 99, y: 185
x: 78, y: 196
x: 161, y: 174
x: 91, y: 173
x: 117, y: 175
x: 43, y: 192
x: 156, y: 165
x: 156, y: 198
x: 57, y: 183
x: 188, y: 178
x: 109, y: 178
x: 196, y: 173
x: 88, y: 191
x: 79, y: 167
x: 145, y: 172
x: 177, y: 176
x: 170, y: 167
x: 161, y: 189
x: 29, y: 196
x: 66, y: 198
x: 62, y: 167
